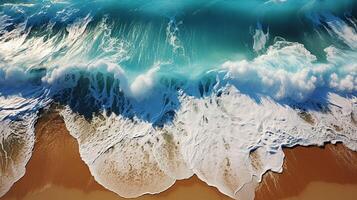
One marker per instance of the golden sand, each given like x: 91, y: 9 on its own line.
x: 55, y: 171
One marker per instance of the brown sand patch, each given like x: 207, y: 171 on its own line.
x: 307, y: 117
x: 230, y: 178
x: 327, y: 191
x: 304, y: 166
x: 255, y: 159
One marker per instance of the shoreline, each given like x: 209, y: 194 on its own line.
x: 48, y: 175
x: 303, y: 166
x: 56, y: 171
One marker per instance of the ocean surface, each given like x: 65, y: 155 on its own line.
x: 155, y: 90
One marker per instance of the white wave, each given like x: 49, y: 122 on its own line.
x: 20, y: 51
x: 17, y: 137
x: 126, y: 156
x: 285, y: 71
x: 229, y: 141
x: 289, y: 70
x: 143, y: 83
x: 68, y: 76
x: 17, y: 141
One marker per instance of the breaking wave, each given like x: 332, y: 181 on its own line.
x: 158, y: 91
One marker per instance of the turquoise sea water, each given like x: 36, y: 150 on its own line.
x: 188, y: 37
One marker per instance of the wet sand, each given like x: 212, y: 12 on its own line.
x: 321, y: 173
x: 327, y: 191
x: 55, y: 171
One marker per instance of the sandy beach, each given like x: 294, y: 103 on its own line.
x: 56, y: 172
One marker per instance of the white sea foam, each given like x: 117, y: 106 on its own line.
x: 17, y: 119
x: 228, y: 141
x: 289, y: 70
x: 143, y: 84
x: 127, y: 156
x: 260, y: 39
x: 17, y: 140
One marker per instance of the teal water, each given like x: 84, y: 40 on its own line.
x: 287, y: 50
